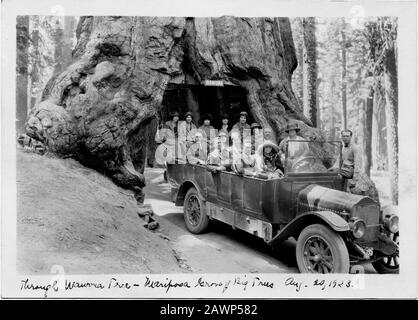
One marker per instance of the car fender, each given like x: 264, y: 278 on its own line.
x: 294, y: 227
x: 180, y: 193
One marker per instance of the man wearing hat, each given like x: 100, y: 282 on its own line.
x: 187, y: 129
x: 349, y: 155
x: 295, y: 150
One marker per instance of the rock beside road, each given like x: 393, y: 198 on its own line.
x: 72, y: 216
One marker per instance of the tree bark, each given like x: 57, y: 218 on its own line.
x: 391, y: 94
x: 297, y: 77
x: 22, y: 62
x: 368, y: 130
x: 343, y: 77
x: 309, y: 70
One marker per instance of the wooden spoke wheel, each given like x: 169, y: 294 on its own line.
x: 194, y: 212
x: 321, y: 250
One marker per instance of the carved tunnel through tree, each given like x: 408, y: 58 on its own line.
x: 200, y: 99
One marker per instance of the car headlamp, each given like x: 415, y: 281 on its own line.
x: 391, y: 222
x: 357, y: 227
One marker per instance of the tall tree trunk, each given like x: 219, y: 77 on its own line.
x: 391, y: 94
x: 381, y: 121
x: 368, y: 130
x: 318, y: 109
x: 309, y: 70
x: 376, y: 133
x: 332, y: 110
x: 34, y: 62
x: 22, y: 59
x: 59, y: 47
x: 343, y: 76
x: 297, y: 76
x: 68, y: 34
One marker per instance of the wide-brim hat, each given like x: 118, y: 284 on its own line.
x: 188, y: 114
x: 207, y: 117
x: 175, y: 114
x: 292, y: 126
x: 243, y: 113
x: 256, y: 125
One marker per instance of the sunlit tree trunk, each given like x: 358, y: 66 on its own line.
x: 368, y: 131
x: 309, y: 70
x: 22, y: 57
x: 343, y: 77
x: 297, y: 76
x: 59, y: 47
x: 391, y: 94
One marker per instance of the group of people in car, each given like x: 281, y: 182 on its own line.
x: 244, y: 149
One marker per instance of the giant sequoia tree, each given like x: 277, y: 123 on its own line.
x: 99, y: 109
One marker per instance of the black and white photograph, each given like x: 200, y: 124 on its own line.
x: 247, y: 153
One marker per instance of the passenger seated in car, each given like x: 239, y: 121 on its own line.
x: 256, y: 136
x: 268, y: 161
x: 197, y: 153
x: 243, y: 162
x: 295, y: 147
x: 220, y: 156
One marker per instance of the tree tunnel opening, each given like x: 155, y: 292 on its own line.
x: 216, y: 99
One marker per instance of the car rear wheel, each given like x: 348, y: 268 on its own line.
x: 321, y: 250
x: 389, y: 264
x: 194, y: 212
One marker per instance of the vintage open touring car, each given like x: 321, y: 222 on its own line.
x: 333, y: 229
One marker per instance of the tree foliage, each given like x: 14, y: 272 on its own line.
x: 357, y: 72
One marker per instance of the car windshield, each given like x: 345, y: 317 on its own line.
x: 303, y: 156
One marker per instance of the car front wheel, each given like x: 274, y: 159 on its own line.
x: 194, y: 212
x: 321, y: 250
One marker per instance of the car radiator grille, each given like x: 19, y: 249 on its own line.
x: 370, y: 215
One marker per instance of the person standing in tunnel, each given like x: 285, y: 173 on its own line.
x: 241, y: 134
x: 186, y: 130
x: 242, y: 127
x: 168, y: 135
x: 224, y: 124
x: 173, y: 124
x: 207, y: 130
